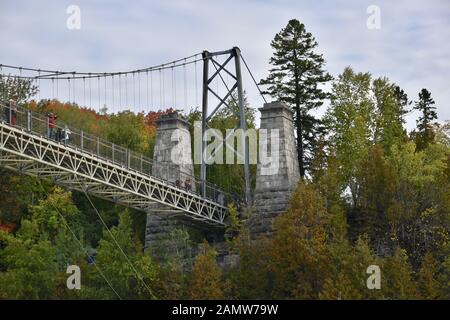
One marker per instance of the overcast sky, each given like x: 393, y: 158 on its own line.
x: 412, y: 47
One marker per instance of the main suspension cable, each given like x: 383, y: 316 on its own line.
x: 48, y: 74
x: 253, y: 78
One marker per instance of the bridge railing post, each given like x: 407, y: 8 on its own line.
x: 29, y: 119
x: 112, y: 152
x: 82, y: 140
x: 48, y: 127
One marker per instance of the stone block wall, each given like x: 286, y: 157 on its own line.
x: 275, y: 183
x: 172, y: 161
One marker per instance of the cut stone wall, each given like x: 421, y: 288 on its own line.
x: 172, y: 156
x: 172, y: 161
x: 274, y: 183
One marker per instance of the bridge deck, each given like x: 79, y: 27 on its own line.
x: 90, y: 164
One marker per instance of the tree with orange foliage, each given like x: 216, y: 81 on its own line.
x: 206, y: 279
x: 299, y: 254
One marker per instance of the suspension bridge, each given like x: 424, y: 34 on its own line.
x: 96, y: 166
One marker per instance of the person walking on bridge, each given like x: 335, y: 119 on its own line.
x: 66, y: 135
x: 51, y: 124
x: 12, y: 112
x: 187, y: 184
x: 7, y: 112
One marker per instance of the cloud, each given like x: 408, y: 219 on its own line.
x: 411, y: 48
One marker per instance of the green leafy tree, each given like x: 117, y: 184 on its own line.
x: 363, y: 113
x: 350, y: 120
x: 377, y: 192
x: 235, y: 223
x: 298, y: 256
x: 444, y: 278
x: 230, y: 177
x: 296, y: 78
x: 128, y: 130
x: 31, y: 267
x: 250, y: 277
x: 418, y: 216
x: 17, y: 192
x: 175, y: 251
x: 397, y: 280
x: 37, y: 256
x: 17, y: 89
x: 347, y: 276
x: 121, y: 259
x: 430, y: 287
x: 390, y: 103
x: 339, y: 288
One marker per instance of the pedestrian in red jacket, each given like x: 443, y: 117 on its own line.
x: 51, y: 124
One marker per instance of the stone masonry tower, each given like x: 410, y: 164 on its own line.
x: 275, y: 180
x: 172, y: 161
x: 172, y: 157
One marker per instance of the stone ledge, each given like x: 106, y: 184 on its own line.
x: 274, y: 105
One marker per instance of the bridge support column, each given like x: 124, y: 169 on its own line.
x: 172, y: 161
x: 275, y: 180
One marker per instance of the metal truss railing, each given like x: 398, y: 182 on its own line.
x: 99, y: 167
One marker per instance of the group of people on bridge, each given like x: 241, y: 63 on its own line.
x: 63, y: 135
x: 10, y: 112
x: 218, y: 196
x: 187, y: 184
x: 55, y: 132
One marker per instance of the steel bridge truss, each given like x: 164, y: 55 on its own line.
x: 70, y: 167
x: 209, y: 58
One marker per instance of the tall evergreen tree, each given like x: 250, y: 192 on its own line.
x: 206, y: 279
x: 295, y: 78
x: 425, y: 133
x: 403, y: 102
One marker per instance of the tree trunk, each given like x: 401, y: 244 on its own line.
x: 298, y: 120
x: 300, y: 150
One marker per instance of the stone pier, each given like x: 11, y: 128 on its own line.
x: 275, y: 181
x: 172, y: 161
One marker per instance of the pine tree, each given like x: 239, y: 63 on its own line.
x: 397, y: 278
x: 206, y: 281
x: 294, y: 79
x: 298, y: 254
x: 425, y: 134
x: 403, y: 101
x: 428, y: 284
